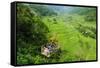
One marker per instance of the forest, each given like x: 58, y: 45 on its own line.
x: 55, y: 34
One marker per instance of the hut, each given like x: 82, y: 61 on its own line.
x: 49, y: 48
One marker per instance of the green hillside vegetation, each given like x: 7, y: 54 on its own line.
x: 75, y: 33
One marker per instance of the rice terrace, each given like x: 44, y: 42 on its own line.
x: 53, y: 34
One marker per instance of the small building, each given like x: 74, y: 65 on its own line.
x: 48, y: 49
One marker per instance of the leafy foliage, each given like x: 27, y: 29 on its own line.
x: 29, y: 33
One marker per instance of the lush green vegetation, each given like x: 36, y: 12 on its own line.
x: 74, y: 31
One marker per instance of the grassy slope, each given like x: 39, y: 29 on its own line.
x: 74, y: 45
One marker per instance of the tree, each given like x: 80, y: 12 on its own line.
x: 31, y: 34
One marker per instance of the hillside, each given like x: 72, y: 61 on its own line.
x: 74, y: 33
